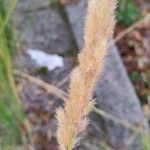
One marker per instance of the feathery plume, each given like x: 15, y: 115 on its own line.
x: 72, y: 120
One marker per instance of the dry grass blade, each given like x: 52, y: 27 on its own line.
x: 117, y: 120
x: 132, y: 27
x: 48, y: 87
x: 63, y: 81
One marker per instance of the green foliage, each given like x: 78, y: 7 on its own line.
x: 128, y: 12
x: 11, y: 116
x: 146, y: 141
x: 136, y: 77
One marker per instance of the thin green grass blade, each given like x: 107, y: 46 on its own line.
x: 9, y: 13
x: 11, y: 115
x: 11, y: 127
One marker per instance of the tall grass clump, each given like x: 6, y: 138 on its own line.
x: 11, y: 115
x: 99, y: 27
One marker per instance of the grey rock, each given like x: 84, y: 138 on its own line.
x: 44, y: 29
x: 76, y: 15
x: 115, y: 93
x: 30, y: 5
x: 25, y: 64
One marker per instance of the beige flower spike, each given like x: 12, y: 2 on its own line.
x: 99, y: 27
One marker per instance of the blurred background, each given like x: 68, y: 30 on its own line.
x: 39, y: 43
